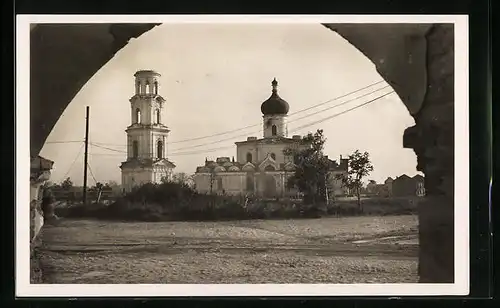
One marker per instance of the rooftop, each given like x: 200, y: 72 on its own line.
x: 274, y: 104
x: 144, y: 73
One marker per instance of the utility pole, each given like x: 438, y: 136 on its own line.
x: 86, y: 156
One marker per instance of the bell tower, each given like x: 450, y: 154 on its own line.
x: 147, y: 134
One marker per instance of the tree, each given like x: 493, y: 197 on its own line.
x: 48, y: 184
x: 67, y: 184
x: 98, y: 187
x: 112, y: 188
x: 311, y: 168
x: 360, y: 166
x: 183, y: 178
x: 212, y: 179
x: 112, y: 185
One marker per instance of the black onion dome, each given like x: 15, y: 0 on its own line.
x: 274, y: 104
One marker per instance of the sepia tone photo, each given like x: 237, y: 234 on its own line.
x: 242, y: 153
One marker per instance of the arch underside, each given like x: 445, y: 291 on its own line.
x: 65, y: 58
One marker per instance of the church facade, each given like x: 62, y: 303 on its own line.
x: 146, y: 135
x: 261, y: 168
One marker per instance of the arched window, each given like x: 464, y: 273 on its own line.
x: 159, y: 149
x: 249, y: 157
x: 135, y: 149
x: 273, y: 156
x: 148, y: 88
x: 138, y: 116
x: 157, y: 116
x: 156, y: 87
x: 138, y: 88
x: 274, y: 130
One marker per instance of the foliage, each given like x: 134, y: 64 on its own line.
x: 47, y: 195
x: 48, y: 184
x: 232, y: 208
x: 67, y: 184
x: 360, y: 166
x: 166, y: 193
x: 312, y: 168
x: 183, y: 178
x: 98, y: 186
x: 112, y: 184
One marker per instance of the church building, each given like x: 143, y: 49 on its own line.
x: 146, y: 135
x: 261, y: 168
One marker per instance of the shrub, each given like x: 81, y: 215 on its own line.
x: 177, y: 201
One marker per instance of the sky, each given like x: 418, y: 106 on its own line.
x: 214, y: 79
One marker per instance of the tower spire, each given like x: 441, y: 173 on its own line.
x: 274, y: 83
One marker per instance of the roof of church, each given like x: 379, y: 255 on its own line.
x: 226, y: 165
x: 274, y: 104
x: 146, y: 163
x: 275, y: 139
x: 146, y: 72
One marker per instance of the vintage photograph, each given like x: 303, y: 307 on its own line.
x: 273, y: 152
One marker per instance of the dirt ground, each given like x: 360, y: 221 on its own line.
x: 327, y: 250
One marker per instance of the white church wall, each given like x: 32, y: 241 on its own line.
x: 202, y: 182
x: 233, y: 183
x: 259, y: 152
x: 243, y: 149
x: 147, y: 143
x: 277, y: 149
x: 137, y: 177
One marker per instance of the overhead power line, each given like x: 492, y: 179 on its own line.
x: 256, y: 132
x: 73, y: 163
x: 343, y: 112
x: 255, y: 125
x: 201, y: 151
x: 294, y: 130
x: 110, y: 149
x: 338, y: 105
x: 170, y: 154
x: 291, y: 114
x: 91, y: 173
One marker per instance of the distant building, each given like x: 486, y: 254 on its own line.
x: 381, y: 190
x: 404, y: 186
x: 261, y: 168
x: 371, y: 187
x: 146, y: 136
x: 388, y: 183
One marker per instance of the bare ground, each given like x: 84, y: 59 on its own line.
x: 327, y: 250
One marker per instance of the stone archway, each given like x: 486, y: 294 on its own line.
x: 424, y: 52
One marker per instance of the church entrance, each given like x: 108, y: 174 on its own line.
x: 269, y: 186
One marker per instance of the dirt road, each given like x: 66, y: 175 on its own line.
x: 327, y: 250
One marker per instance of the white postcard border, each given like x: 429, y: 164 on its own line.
x: 22, y: 251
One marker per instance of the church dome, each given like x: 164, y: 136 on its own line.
x: 274, y: 104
